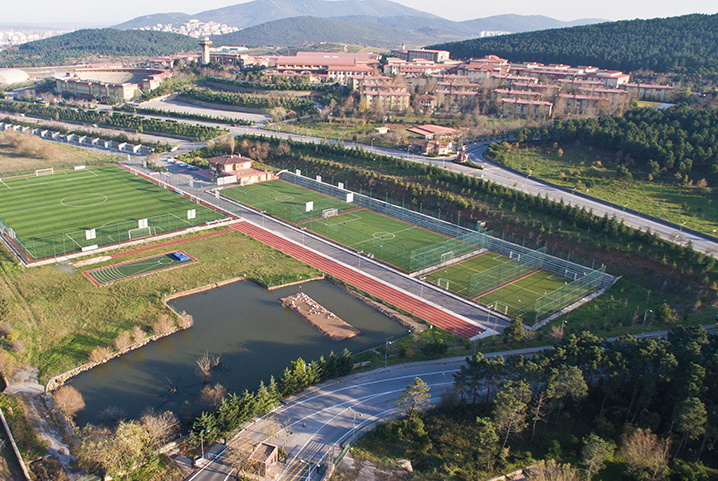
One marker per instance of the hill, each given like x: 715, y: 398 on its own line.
x: 302, y: 30
x: 257, y: 12
x: 92, y: 42
x: 686, y: 43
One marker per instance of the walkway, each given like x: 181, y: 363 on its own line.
x: 419, y: 308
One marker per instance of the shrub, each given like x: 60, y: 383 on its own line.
x: 69, y: 400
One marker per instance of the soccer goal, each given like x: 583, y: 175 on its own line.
x: 329, y: 212
x: 139, y: 233
x: 441, y: 282
x: 447, y: 256
x: 44, y: 171
x: 499, y: 306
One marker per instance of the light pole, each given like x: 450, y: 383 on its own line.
x: 372, y: 145
x: 681, y: 229
x: 387, y: 343
x: 644, y: 319
x: 309, y: 467
x: 201, y: 440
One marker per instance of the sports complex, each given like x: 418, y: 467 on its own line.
x: 508, y: 278
x: 51, y: 214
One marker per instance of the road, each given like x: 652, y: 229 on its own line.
x: 322, y: 418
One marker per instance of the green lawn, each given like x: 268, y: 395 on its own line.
x: 594, y: 173
x: 140, y: 267
x: 518, y: 298
x: 383, y: 237
x: 459, y: 275
x: 51, y: 213
x: 285, y: 200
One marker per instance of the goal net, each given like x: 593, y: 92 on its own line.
x: 44, y: 171
x: 499, y: 306
x: 139, y: 233
x: 329, y: 212
x: 441, y: 282
x: 447, y: 256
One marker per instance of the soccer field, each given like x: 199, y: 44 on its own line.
x: 458, y: 276
x: 55, y: 214
x: 285, y: 201
x: 383, y: 237
x: 519, y: 297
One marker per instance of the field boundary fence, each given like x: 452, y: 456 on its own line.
x: 462, y: 240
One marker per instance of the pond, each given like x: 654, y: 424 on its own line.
x: 244, y: 324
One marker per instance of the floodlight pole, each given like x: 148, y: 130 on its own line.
x: 644, y: 319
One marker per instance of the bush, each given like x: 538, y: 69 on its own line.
x: 435, y: 348
x: 69, y: 400
x: 100, y: 354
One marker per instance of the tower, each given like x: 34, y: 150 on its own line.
x: 205, y: 43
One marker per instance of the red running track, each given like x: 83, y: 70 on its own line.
x: 406, y: 302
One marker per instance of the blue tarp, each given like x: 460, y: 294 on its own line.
x: 181, y: 256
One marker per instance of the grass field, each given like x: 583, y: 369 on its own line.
x: 284, y: 200
x: 594, y: 172
x: 459, y: 275
x: 51, y: 213
x: 386, y: 238
x: 518, y: 298
x: 140, y: 267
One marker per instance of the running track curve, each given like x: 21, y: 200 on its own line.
x: 408, y: 303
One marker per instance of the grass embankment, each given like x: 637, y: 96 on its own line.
x: 57, y: 318
x: 23, y: 154
x: 27, y: 441
x: 593, y: 172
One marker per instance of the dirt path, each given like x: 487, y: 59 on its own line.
x: 25, y: 384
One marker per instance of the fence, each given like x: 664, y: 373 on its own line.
x: 461, y: 240
x: 34, y: 249
x: 519, y: 265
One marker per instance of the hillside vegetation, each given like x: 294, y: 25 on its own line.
x: 687, y: 43
x: 72, y: 46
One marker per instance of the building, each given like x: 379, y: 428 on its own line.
x: 417, y: 68
x: 386, y: 100
x: 112, y: 84
x: 436, y: 56
x: 576, y: 104
x: 13, y: 76
x: 434, y: 132
x: 457, y: 99
x: 524, y: 108
x: 336, y: 67
x: 265, y: 456
x: 654, y: 92
x: 241, y: 167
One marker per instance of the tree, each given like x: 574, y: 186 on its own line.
x: 565, y: 383
x: 211, y: 396
x: 69, y: 400
x: 515, y: 331
x: 161, y: 427
x: 644, y: 451
x: 665, y: 314
x: 551, y: 471
x: 123, y: 341
x: 205, y: 364
x: 691, y: 420
x: 415, y: 397
x: 594, y: 453
x: 510, y: 406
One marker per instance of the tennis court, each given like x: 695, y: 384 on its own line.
x: 286, y: 201
x: 140, y: 267
x: 63, y: 212
x: 376, y: 235
x: 518, y: 298
x: 457, y: 277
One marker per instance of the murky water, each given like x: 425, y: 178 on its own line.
x: 244, y: 324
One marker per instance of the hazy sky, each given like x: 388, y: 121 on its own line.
x: 111, y: 13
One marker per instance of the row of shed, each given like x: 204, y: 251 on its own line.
x: 82, y: 140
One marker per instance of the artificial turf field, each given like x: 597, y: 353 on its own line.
x: 136, y: 268
x: 285, y: 200
x: 519, y: 297
x: 458, y: 276
x: 388, y: 239
x: 51, y: 213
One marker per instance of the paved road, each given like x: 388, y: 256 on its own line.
x: 320, y: 419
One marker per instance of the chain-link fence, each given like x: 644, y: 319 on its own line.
x: 518, y: 265
x: 567, y: 294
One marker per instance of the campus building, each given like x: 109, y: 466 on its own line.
x: 112, y: 84
x: 337, y: 67
x: 241, y: 167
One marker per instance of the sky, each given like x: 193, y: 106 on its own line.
x: 94, y: 12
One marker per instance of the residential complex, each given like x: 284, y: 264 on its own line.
x: 114, y: 83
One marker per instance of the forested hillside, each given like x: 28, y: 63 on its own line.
x: 688, y: 43
x: 679, y: 141
x: 92, y: 42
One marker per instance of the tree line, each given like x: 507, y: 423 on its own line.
x: 136, y: 123
x: 678, y: 141
x: 184, y: 115
x: 678, y: 44
x: 277, y: 84
x: 92, y: 42
x: 301, y: 106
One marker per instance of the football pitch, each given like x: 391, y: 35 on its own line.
x: 519, y: 297
x: 376, y: 235
x: 60, y: 213
x: 458, y: 276
x: 285, y: 201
